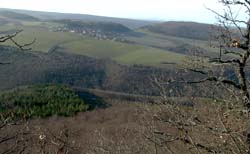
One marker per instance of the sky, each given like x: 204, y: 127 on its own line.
x: 179, y: 10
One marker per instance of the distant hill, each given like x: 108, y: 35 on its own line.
x: 18, y: 16
x: 107, y: 27
x: 131, y: 23
x: 191, y: 30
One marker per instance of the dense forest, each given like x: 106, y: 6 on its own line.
x: 41, y: 101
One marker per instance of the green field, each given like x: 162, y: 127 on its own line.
x: 100, y: 48
x: 150, y: 56
x: 123, y: 53
x: 148, y: 50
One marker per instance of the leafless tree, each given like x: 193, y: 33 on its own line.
x: 234, y: 49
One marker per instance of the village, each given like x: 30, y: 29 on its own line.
x: 94, y: 33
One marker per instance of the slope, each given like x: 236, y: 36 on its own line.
x: 189, y: 30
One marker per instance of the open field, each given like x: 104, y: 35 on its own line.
x: 83, y: 45
x: 148, y: 48
x: 150, y: 56
x: 99, y: 48
x: 122, y: 53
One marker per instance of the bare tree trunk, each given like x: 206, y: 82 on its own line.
x: 243, y: 84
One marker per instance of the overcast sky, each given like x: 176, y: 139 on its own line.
x: 185, y: 10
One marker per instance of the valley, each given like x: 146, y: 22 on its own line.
x: 124, y: 45
x: 102, y: 85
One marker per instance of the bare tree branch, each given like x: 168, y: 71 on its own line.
x: 11, y: 37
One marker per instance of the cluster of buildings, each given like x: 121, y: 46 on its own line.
x: 97, y: 34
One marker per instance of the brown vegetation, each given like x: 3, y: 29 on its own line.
x: 128, y: 127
